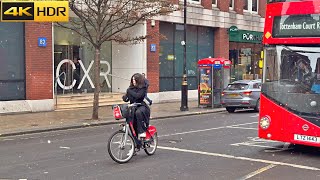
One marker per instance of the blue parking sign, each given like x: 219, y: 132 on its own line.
x: 42, y: 42
x: 153, y: 48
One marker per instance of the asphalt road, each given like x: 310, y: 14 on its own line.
x: 212, y: 146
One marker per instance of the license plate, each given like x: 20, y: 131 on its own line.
x: 305, y: 138
x: 233, y: 95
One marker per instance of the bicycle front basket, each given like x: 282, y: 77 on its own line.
x: 124, y: 110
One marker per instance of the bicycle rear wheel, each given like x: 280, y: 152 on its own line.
x: 151, y: 147
x: 119, y: 152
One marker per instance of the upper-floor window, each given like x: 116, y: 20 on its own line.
x: 214, y: 3
x: 196, y: 1
x: 231, y: 5
x: 251, y: 6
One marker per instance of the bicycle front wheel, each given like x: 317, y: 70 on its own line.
x: 119, y: 150
x: 151, y: 147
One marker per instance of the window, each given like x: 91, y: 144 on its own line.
x: 245, y: 6
x: 251, y: 6
x: 214, y: 3
x: 231, y: 5
x: 274, y: 1
x: 257, y: 86
x: 237, y: 87
x: 255, y: 5
x: 199, y: 45
x: 290, y: 79
x: 195, y: 1
x: 12, y: 62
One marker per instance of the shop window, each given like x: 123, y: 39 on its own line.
x: 12, y: 60
x: 199, y: 45
x: 251, y: 6
x: 68, y: 45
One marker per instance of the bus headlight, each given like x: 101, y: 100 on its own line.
x: 265, y: 122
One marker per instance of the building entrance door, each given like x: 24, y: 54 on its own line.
x: 66, y: 73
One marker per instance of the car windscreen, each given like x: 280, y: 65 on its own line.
x: 237, y: 86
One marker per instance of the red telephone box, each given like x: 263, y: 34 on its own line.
x: 213, y: 76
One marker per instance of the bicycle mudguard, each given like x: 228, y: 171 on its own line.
x: 152, y: 130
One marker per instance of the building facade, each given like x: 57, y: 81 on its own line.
x: 209, y: 34
x: 40, y: 61
x: 26, y: 78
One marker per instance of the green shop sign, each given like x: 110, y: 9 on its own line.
x: 236, y: 35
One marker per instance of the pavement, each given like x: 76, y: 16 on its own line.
x: 27, y: 123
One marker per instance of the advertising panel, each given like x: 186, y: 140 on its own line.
x: 205, y: 86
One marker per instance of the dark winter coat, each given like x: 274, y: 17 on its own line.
x: 141, y: 113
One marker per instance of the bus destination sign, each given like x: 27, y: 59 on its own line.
x: 296, y: 26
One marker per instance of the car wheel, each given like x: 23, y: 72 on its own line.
x: 257, y: 108
x: 230, y: 109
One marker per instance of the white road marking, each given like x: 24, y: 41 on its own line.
x: 257, y: 172
x: 256, y: 142
x: 262, y: 146
x: 188, y: 132
x: 284, y: 148
x: 242, y: 124
x: 242, y: 128
x: 62, y: 147
x: 257, y: 115
x: 203, y: 130
x: 240, y: 158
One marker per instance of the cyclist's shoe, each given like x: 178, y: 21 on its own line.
x: 142, y: 135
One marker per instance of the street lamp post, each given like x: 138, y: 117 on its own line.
x: 184, y: 85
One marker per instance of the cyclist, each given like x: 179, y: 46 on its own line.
x: 136, y: 94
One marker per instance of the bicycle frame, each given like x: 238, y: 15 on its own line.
x: 128, y: 133
x: 129, y: 129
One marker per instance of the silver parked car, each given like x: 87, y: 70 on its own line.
x: 242, y: 94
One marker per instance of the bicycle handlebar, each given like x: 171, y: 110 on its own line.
x: 134, y: 104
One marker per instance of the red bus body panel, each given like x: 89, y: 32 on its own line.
x: 290, y: 8
x: 284, y: 124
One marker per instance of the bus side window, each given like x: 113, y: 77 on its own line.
x: 316, y: 86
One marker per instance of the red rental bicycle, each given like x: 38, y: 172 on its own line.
x: 123, y: 143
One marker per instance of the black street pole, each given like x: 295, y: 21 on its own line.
x: 184, y: 85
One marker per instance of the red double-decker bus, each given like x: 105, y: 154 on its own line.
x: 290, y: 94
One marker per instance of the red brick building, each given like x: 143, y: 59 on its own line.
x: 26, y: 79
x: 208, y: 34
